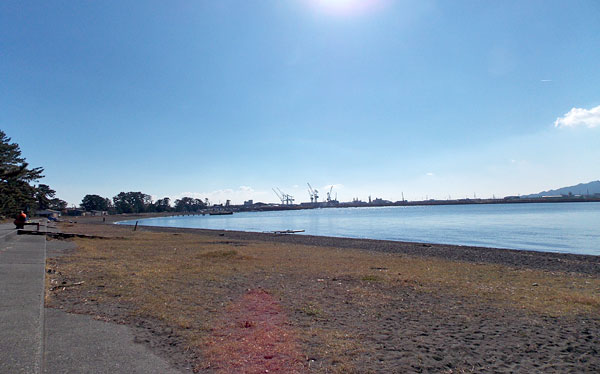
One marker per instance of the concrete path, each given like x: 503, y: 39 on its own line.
x: 22, y: 261
x: 37, y: 340
x: 7, y: 232
x: 79, y: 344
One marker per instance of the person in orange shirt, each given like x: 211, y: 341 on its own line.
x: 20, y: 220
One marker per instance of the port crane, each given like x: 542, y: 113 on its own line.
x: 286, y: 199
x: 314, y: 194
x: 329, y: 194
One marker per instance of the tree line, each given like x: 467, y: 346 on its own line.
x: 139, y: 202
x: 18, y: 189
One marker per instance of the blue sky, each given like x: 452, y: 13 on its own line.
x: 227, y: 99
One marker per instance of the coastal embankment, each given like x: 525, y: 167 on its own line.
x: 220, y: 301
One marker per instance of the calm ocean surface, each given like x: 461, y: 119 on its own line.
x: 559, y: 227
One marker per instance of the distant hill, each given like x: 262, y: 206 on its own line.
x: 590, y: 188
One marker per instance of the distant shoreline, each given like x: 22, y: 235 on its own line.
x: 307, y: 206
x: 384, y: 203
x: 360, y: 204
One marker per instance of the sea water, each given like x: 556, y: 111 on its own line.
x: 551, y: 227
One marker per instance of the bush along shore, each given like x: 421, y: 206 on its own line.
x: 223, y: 302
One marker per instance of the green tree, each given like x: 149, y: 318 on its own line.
x: 189, y: 204
x: 16, y: 191
x: 95, y: 202
x: 44, y: 195
x: 132, y: 202
x: 162, y: 205
x: 58, y: 204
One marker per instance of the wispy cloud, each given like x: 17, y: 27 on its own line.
x: 578, y: 117
x: 545, y: 80
x: 430, y: 174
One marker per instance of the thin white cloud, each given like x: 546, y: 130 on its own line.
x: 430, y: 174
x: 545, y: 80
x: 578, y: 117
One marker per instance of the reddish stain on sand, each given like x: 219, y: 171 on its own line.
x: 254, y: 336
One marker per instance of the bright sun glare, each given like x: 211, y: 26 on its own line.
x: 346, y: 7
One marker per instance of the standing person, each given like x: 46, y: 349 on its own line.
x: 20, y: 220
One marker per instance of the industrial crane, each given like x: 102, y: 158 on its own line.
x: 278, y: 195
x: 314, y: 194
x: 289, y: 199
x: 285, y: 198
x: 329, y: 194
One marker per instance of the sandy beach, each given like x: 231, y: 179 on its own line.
x: 222, y: 302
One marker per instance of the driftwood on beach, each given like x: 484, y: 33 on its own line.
x: 284, y: 232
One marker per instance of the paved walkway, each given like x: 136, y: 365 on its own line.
x: 7, y: 231
x: 35, y: 340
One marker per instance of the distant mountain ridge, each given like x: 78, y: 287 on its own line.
x: 590, y: 188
